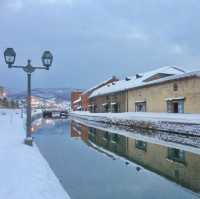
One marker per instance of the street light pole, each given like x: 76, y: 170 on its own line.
x: 47, y: 60
x: 28, y: 119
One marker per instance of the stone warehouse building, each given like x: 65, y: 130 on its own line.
x: 167, y: 89
x: 79, y: 100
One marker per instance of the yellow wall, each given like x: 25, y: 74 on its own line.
x: 155, y: 95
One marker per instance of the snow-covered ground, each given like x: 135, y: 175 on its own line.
x: 24, y: 173
x: 177, y: 123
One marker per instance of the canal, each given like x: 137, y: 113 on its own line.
x: 92, y: 163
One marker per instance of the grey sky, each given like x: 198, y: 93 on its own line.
x: 94, y: 39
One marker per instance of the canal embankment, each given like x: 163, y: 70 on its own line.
x: 185, y: 124
x: 23, y: 170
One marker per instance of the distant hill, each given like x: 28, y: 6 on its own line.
x: 58, y: 94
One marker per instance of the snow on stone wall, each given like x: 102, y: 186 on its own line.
x: 188, y: 124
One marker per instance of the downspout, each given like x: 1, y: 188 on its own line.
x: 127, y: 101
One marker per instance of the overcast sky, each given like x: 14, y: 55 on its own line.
x: 92, y: 40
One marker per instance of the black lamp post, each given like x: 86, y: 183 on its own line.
x: 47, y: 59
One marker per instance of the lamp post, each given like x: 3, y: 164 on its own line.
x: 47, y: 59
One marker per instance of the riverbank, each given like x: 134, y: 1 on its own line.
x: 23, y: 170
x: 186, y: 124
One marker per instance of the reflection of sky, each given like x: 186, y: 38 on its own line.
x: 86, y: 173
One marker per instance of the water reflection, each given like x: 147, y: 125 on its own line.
x: 178, y: 165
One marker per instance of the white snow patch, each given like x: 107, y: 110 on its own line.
x: 23, y: 170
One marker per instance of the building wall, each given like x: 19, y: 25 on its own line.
x: 85, y: 96
x: 74, y: 96
x: 100, y: 102
x: 84, y: 102
x: 156, y: 95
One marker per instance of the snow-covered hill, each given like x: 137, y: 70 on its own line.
x: 57, y: 94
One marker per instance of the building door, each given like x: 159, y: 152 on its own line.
x: 175, y: 106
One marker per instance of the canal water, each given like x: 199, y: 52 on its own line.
x: 97, y: 164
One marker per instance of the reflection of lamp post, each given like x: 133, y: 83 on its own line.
x: 47, y: 60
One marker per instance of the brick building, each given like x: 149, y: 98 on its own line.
x: 75, y: 99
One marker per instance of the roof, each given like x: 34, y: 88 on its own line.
x: 90, y: 90
x: 77, y: 101
x: 139, y: 80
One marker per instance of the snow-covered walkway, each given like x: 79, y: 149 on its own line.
x: 171, y: 122
x: 24, y: 173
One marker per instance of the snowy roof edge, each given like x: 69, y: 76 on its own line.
x: 97, y: 85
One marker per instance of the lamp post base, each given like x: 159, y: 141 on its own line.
x: 28, y: 141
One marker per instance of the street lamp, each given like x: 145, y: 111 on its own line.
x: 47, y: 59
x: 9, y: 56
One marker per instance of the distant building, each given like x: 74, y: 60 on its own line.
x: 80, y: 101
x: 85, y: 95
x: 75, y: 99
x: 167, y: 89
x: 2, y: 92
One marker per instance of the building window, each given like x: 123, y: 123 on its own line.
x: 115, y: 138
x: 106, y: 135
x: 140, y: 106
x: 93, y: 108
x: 175, y: 106
x: 141, y: 145
x: 106, y: 107
x: 176, y: 155
x: 114, y: 107
x: 175, y: 86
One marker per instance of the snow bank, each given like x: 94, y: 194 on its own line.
x: 188, y: 124
x: 24, y: 172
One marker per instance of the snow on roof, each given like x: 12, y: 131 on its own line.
x: 90, y: 90
x: 139, y: 80
x: 76, y: 101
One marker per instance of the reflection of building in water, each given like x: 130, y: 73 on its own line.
x: 112, y: 142
x: 40, y: 123
x: 180, y: 166
x: 79, y: 131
